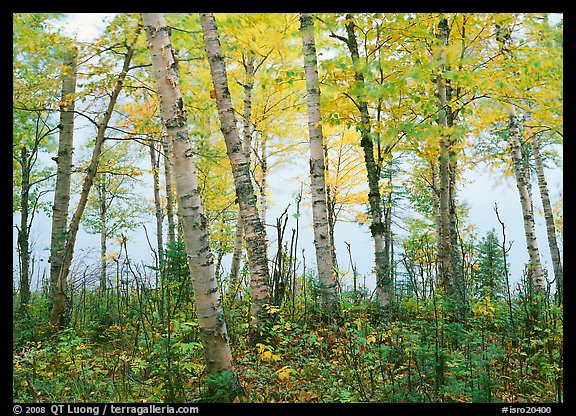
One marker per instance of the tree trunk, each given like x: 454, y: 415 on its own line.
x: 155, y: 165
x: 445, y: 243
x: 549, y: 217
x: 59, y: 299
x: 169, y: 190
x: 63, y: 169
x: 263, y: 182
x: 383, y: 285
x: 332, y: 215
x: 459, y: 284
x: 24, y: 231
x: 246, y: 143
x: 435, y: 193
x: 213, y: 333
x: 451, y: 276
x: 526, y: 203
x: 324, y: 260
x: 253, y: 227
x: 101, y: 188
x: 262, y: 161
x: 388, y: 231
x: 236, y: 254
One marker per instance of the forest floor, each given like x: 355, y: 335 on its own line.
x: 414, y: 354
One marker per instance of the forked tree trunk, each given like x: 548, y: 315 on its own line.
x: 63, y: 168
x: 324, y: 260
x: 253, y: 227
x: 213, y: 333
x: 535, y: 266
x: 57, y: 317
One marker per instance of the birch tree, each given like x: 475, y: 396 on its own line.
x: 510, y: 60
x: 548, y: 216
x: 248, y: 85
x: 543, y: 116
x: 526, y: 202
x: 324, y: 259
x: 253, y: 227
x: 210, y: 313
x: 113, y: 210
x: 64, y: 166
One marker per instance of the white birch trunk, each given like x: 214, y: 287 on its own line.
x: 324, y: 258
x: 213, y: 331
x: 549, y: 217
x: 254, y: 233
x: 63, y: 169
x: 526, y: 203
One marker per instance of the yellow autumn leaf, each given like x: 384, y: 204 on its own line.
x: 283, y: 373
x: 370, y: 339
x: 269, y: 355
x: 112, y: 256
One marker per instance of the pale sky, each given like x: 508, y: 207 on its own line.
x: 86, y: 26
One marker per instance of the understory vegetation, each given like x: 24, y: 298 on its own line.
x: 132, y: 343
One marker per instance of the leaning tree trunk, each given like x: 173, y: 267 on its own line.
x: 63, y: 168
x: 549, y: 217
x: 213, y: 333
x: 535, y: 267
x: 324, y: 260
x: 57, y: 317
x: 253, y: 227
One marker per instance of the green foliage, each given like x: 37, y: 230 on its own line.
x: 489, y: 279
